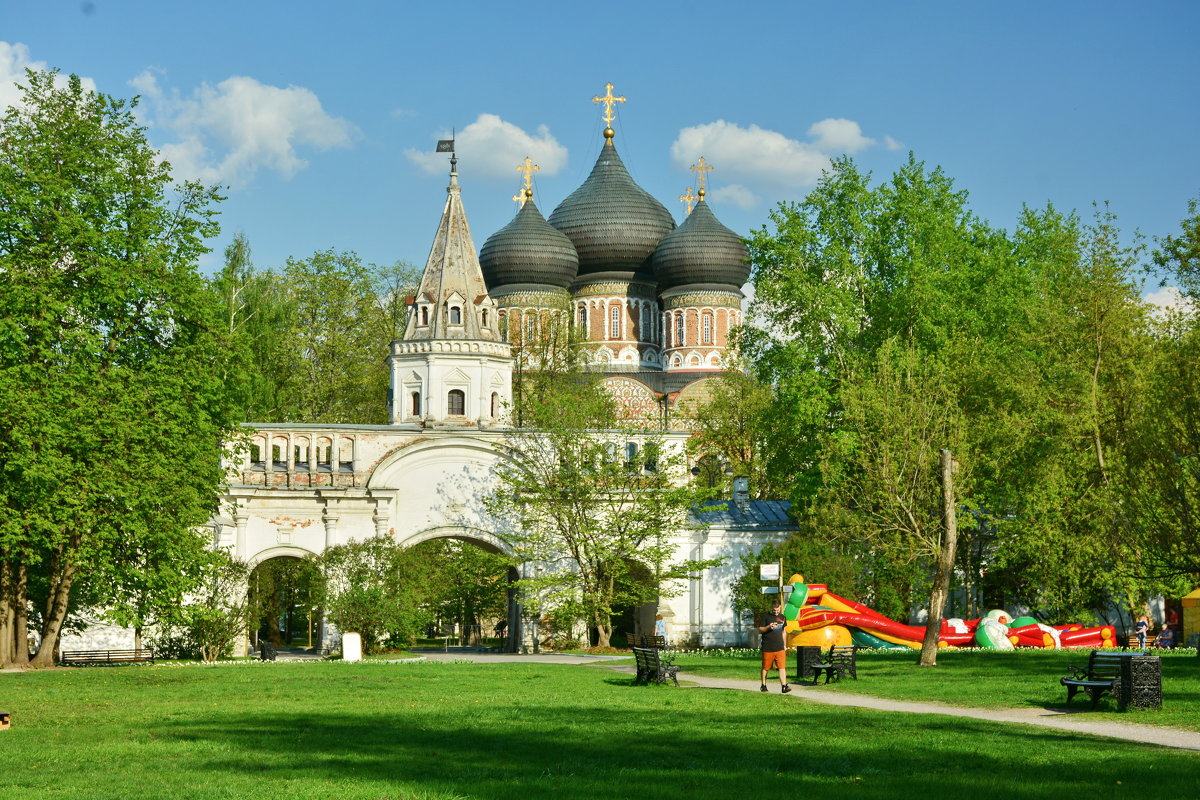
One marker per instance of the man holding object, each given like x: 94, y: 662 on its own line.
x: 774, y: 655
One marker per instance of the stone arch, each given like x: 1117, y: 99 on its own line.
x: 486, y: 540
x: 277, y: 551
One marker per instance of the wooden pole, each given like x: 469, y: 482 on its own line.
x: 945, y: 564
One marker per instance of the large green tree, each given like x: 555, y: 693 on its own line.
x: 595, y: 500
x: 112, y: 352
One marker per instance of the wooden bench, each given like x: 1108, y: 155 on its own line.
x: 651, y: 666
x: 840, y: 660
x: 89, y: 658
x: 5, y: 720
x: 1103, y: 674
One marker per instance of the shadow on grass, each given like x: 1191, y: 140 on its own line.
x: 670, y: 751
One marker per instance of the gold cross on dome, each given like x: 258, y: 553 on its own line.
x: 528, y: 168
x: 523, y: 196
x: 608, y: 101
x: 702, y: 168
x: 688, y: 199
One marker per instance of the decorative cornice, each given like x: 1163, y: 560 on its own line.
x: 706, y: 298
x: 624, y: 289
x: 451, y: 346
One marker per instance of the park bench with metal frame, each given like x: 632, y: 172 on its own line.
x: 91, y: 658
x: 840, y: 660
x: 651, y: 666
x: 1103, y: 675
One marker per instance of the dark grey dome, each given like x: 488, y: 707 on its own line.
x: 701, y: 251
x: 613, y: 223
x: 528, y: 250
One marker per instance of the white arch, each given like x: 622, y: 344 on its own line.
x: 283, y: 550
x: 491, y: 541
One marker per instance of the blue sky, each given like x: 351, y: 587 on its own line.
x: 322, y: 118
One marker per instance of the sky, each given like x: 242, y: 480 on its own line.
x: 321, y: 118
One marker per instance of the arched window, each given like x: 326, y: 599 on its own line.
x: 416, y: 404
x: 583, y: 321
x: 495, y: 405
x: 456, y: 403
x: 455, y: 315
x: 424, y: 315
x: 679, y: 330
x: 614, y: 322
x: 644, y: 328
x: 707, y: 328
x: 485, y: 318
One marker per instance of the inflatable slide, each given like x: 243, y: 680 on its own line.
x: 816, y: 616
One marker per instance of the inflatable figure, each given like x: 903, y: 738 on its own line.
x: 816, y: 616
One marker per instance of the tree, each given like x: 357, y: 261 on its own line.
x: 377, y: 589
x: 595, y: 502
x: 733, y: 429
x: 111, y: 360
x: 214, y: 613
x: 311, y: 336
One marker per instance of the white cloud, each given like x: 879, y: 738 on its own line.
x: 1168, y: 299
x: 756, y: 160
x: 491, y: 147
x: 891, y: 144
x: 734, y: 194
x: 838, y: 136
x: 14, y: 60
x: 228, y: 132
x: 751, y: 155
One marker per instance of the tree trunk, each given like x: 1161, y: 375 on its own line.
x: 14, y: 619
x: 56, y: 613
x: 945, y: 566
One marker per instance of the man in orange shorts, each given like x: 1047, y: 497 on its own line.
x: 774, y: 654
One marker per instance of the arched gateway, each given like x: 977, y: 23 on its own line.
x: 411, y: 483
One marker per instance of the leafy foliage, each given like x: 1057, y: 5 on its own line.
x: 112, y: 361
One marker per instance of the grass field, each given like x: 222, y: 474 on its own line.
x: 985, y: 679
x: 519, y: 731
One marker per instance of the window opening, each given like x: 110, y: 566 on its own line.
x: 455, y: 315
x: 614, y: 322
x: 707, y: 328
x: 416, y: 404
x: 679, y: 330
x: 456, y: 403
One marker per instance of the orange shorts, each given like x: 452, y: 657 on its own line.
x: 775, y: 660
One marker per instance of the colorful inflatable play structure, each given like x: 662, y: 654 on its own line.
x: 817, y: 616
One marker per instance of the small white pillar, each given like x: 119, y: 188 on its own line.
x: 351, y: 647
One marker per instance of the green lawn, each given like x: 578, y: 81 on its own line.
x: 519, y: 731
x: 984, y: 679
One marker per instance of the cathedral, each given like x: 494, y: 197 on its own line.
x: 654, y: 304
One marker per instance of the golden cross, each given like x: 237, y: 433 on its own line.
x: 688, y: 199
x: 523, y: 196
x: 608, y: 101
x: 701, y: 169
x: 528, y: 168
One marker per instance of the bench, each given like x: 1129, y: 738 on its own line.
x: 266, y: 651
x: 651, y: 666
x: 5, y: 720
x: 1103, y: 674
x: 89, y: 658
x: 840, y: 660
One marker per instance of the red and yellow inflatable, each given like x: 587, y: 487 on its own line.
x: 816, y: 616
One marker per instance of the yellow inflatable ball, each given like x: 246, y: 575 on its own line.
x: 825, y: 636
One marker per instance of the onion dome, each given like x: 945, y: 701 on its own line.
x: 701, y: 251
x: 613, y: 223
x: 528, y: 251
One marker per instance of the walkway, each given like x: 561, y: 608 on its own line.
x: 1044, y: 717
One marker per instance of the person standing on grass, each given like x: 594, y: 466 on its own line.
x: 1143, y: 625
x: 774, y: 655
